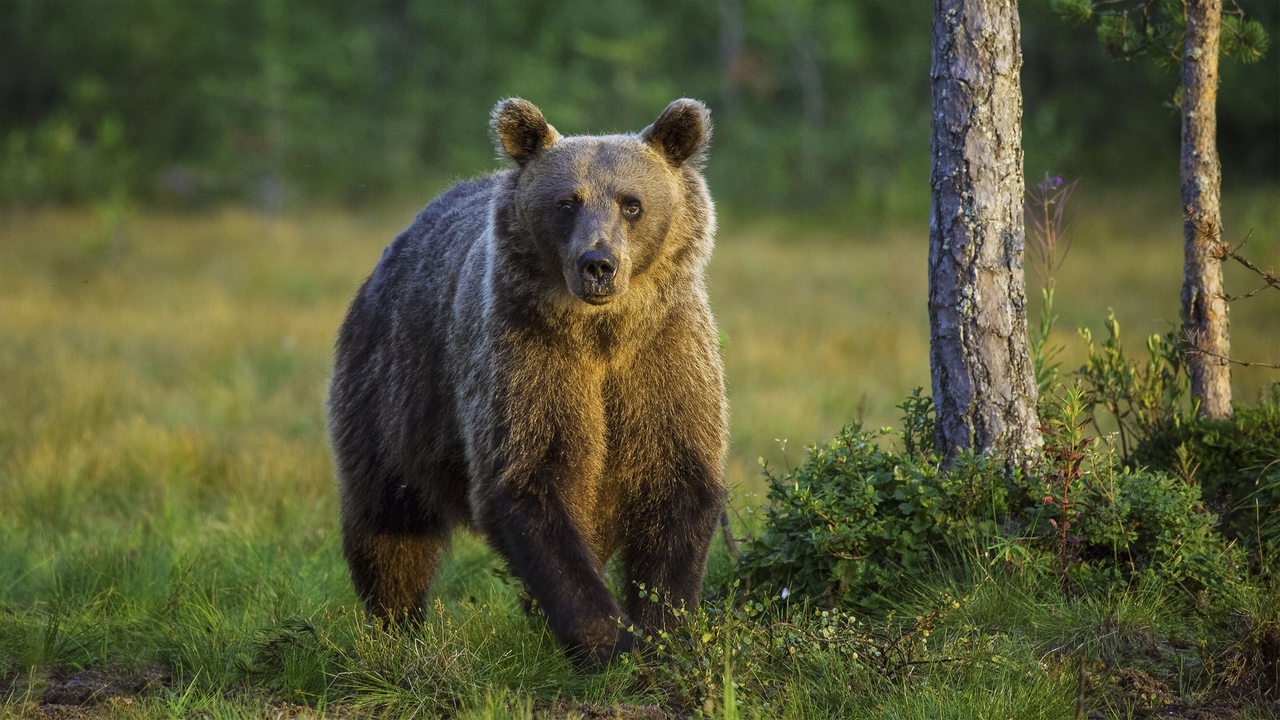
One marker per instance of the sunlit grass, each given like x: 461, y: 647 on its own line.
x: 820, y: 331
x: 830, y: 325
x: 1127, y: 254
x: 166, y: 493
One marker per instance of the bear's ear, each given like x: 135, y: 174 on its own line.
x: 681, y: 133
x: 520, y: 130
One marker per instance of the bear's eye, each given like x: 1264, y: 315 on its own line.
x: 568, y: 206
x: 631, y: 208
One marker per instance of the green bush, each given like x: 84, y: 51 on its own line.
x: 1132, y: 524
x: 858, y: 523
x: 1142, y: 398
x: 1236, y: 462
x: 1113, y: 521
x: 854, y: 518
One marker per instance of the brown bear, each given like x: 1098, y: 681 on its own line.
x: 535, y: 357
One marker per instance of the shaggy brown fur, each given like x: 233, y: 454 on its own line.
x: 535, y: 356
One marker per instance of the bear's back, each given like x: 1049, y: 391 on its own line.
x: 439, y: 238
x: 391, y: 364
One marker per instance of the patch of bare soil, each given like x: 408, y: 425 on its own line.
x: 1149, y: 698
x: 94, y: 694
x: 565, y: 710
x: 93, y: 686
x: 62, y: 694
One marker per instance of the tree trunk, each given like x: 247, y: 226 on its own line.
x: 983, y: 383
x: 1204, y: 306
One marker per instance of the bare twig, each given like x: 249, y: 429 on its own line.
x: 1195, y: 347
x: 1268, y: 276
x: 1222, y: 251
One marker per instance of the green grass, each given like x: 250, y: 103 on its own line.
x: 168, y: 516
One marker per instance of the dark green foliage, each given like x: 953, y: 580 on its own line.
x: 1156, y: 28
x: 816, y: 105
x: 1243, y: 39
x: 1128, y: 29
x: 273, y: 101
x: 858, y: 523
x: 1140, y: 523
x: 1236, y: 462
x: 1141, y: 398
x: 1233, y: 463
x: 850, y: 522
x: 1075, y: 11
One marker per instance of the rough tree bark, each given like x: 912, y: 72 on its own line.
x: 1204, y: 306
x: 984, y: 386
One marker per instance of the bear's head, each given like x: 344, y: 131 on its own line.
x: 600, y: 210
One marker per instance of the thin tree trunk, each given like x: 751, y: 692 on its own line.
x: 1204, y: 306
x: 983, y: 384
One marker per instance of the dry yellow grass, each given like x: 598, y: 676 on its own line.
x: 819, y: 331
x: 171, y: 335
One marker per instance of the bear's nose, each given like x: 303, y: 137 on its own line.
x: 597, y: 266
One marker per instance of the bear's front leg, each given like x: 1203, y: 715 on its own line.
x: 666, y: 543
x: 530, y: 525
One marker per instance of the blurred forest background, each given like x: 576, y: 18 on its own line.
x: 820, y: 107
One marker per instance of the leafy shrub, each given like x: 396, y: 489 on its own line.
x: 1114, y: 522
x: 1236, y: 462
x: 847, y: 524
x: 1142, y: 398
x: 1143, y: 523
x: 854, y: 520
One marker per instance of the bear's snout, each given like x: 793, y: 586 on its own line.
x: 597, y: 266
x: 597, y: 270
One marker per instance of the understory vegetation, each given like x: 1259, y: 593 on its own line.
x: 168, y: 534
x: 1086, y: 535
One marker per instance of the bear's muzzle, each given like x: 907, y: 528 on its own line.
x: 597, y: 271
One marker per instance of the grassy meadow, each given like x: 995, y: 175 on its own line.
x: 168, y: 523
